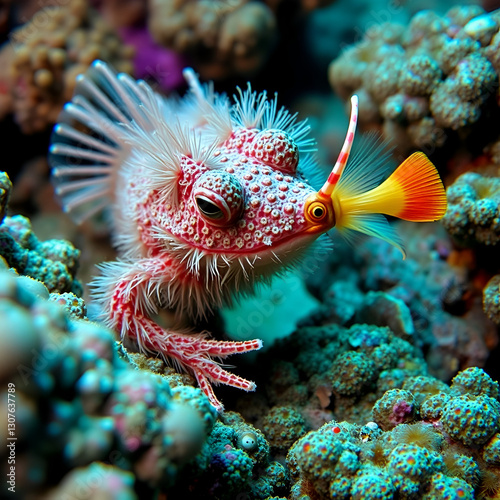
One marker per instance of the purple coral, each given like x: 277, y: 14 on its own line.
x: 395, y: 407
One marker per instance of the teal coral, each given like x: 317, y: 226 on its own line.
x: 475, y: 381
x: 96, y: 480
x: 395, y: 407
x: 491, y: 299
x: 411, y: 461
x: 236, y: 457
x: 362, y: 373
x: 491, y: 450
x: 53, y: 262
x: 372, y: 483
x: 75, y: 306
x: 83, y: 401
x: 449, y: 488
x: 471, y: 420
x: 283, y: 425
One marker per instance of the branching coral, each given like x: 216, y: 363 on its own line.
x: 44, y: 57
x: 222, y: 38
x: 435, y: 77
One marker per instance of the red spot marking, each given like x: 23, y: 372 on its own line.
x: 306, y: 447
x: 342, y: 157
x: 336, y: 430
x: 333, y: 178
x: 350, y: 137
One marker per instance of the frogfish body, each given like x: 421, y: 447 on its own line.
x: 208, y: 197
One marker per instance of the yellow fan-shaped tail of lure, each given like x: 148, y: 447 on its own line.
x: 413, y: 192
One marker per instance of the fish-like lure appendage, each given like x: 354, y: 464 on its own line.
x: 354, y: 201
x: 208, y: 197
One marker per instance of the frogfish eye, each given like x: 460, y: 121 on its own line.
x: 219, y: 197
x: 208, y: 209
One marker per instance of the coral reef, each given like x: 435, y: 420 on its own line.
x: 44, y: 57
x: 221, y: 38
x: 322, y: 371
x: 53, y: 262
x: 437, y: 458
x: 491, y: 299
x: 473, y: 214
x: 347, y: 406
x: 428, y: 299
x: 235, y: 458
x: 96, y: 480
x: 427, y: 82
x: 80, y: 400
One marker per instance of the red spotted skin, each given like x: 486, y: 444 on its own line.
x: 266, y: 227
x: 208, y: 198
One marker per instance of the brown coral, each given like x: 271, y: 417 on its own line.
x: 222, y: 38
x: 473, y: 214
x: 491, y: 299
x: 46, y: 55
x: 437, y: 76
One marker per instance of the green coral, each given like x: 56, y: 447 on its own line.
x: 476, y: 382
x: 471, y: 420
x: 449, y: 488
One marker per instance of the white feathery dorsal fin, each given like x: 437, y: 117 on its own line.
x: 110, y: 117
x: 253, y: 110
x: 210, y: 109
